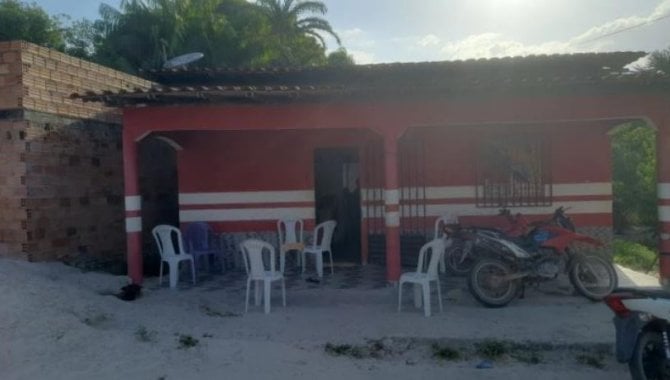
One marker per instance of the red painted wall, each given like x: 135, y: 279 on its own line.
x: 253, y: 161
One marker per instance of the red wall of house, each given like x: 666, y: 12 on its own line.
x: 281, y: 163
x: 276, y: 163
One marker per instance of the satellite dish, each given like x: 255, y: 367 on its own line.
x: 182, y: 60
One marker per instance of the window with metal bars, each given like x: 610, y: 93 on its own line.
x: 513, y: 171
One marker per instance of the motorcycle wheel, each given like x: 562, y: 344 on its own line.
x: 458, y: 265
x: 487, y: 286
x: 593, y: 277
x: 648, y: 361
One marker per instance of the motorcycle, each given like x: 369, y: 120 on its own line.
x: 641, y: 322
x: 508, y: 263
x: 460, y: 257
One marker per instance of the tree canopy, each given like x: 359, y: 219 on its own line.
x: 143, y: 34
x: 22, y: 21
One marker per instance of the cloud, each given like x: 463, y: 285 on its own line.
x: 362, y: 57
x: 429, y: 40
x: 615, y: 26
x: 358, y: 44
x: 489, y: 45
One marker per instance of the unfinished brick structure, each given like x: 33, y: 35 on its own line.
x: 61, y: 169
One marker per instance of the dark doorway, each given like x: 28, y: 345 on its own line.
x: 337, y: 193
x: 160, y: 195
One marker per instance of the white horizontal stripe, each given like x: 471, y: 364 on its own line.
x: 134, y: 224
x: 470, y: 209
x: 451, y: 192
x: 664, y: 213
x: 392, y: 197
x: 133, y: 203
x: 372, y: 194
x: 248, y: 214
x: 246, y: 197
x: 575, y: 189
x: 576, y: 207
x: 392, y: 219
x: 663, y: 190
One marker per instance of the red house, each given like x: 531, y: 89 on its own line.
x: 385, y: 149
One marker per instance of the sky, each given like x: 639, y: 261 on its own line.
x: 376, y: 31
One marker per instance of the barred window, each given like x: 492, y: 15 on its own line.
x: 512, y: 171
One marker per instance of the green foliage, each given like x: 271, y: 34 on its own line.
x: 186, y: 341
x: 29, y: 22
x: 492, y: 349
x: 142, y: 334
x: 340, y: 57
x: 591, y: 360
x: 634, y: 176
x: 634, y: 255
x: 296, y: 32
x: 143, y: 34
x: 444, y: 352
x: 660, y: 60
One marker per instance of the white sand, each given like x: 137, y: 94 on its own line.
x: 55, y: 325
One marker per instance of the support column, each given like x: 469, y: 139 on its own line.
x: 133, y: 202
x: 663, y: 175
x: 392, y: 208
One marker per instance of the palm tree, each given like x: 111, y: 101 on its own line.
x: 286, y: 19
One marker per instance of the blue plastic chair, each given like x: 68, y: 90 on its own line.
x: 201, y: 242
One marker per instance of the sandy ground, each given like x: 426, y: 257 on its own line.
x: 55, y: 324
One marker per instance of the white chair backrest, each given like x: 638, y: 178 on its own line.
x: 252, y: 251
x: 290, y: 231
x: 164, y: 234
x: 323, y: 234
x: 440, y: 223
x: 435, y: 248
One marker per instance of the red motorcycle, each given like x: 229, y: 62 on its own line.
x: 461, y: 256
x: 527, y: 254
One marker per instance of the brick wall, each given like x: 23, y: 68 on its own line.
x: 41, y: 79
x: 12, y: 185
x: 61, y: 173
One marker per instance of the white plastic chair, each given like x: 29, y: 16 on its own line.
x: 291, y: 233
x: 439, y: 234
x: 424, y: 276
x: 163, y: 234
x: 323, y: 235
x: 252, y: 251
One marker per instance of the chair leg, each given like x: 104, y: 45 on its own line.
x: 173, y: 267
x: 193, y: 271
x: 439, y: 295
x: 426, y: 298
x: 206, y: 259
x: 283, y: 291
x: 282, y: 260
x: 443, y: 264
x: 302, y: 261
x: 160, y: 274
x: 331, y: 262
x: 319, y: 264
x: 298, y: 259
x: 257, y: 293
x: 417, y: 296
x: 399, y: 297
x: 266, y: 295
x: 246, y: 303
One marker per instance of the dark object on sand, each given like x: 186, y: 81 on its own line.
x: 130, y: 292
x: 313, y: 280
